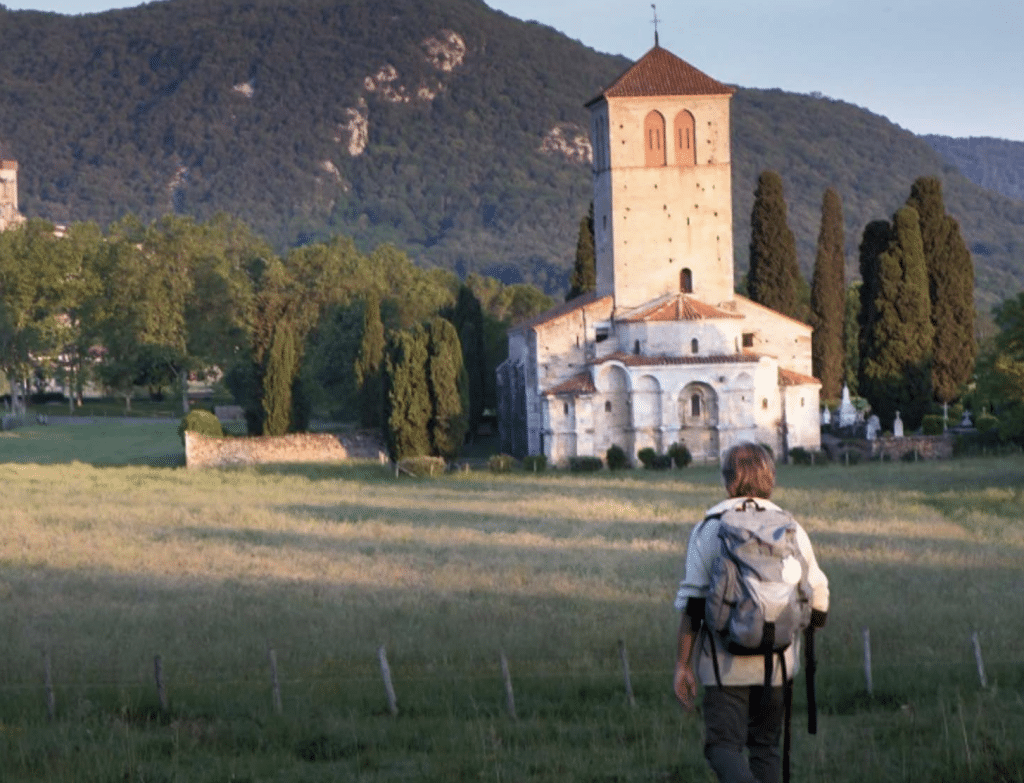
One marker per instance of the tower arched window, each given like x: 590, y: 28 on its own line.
x: 694, y: 346
x: 654, y: 139
x: 686, y: 281
x: 684, y: 137
x: 695, y: 406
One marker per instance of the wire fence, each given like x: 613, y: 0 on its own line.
x: 380, y: 683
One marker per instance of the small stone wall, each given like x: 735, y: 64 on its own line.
x: 926, y: 446
x: 204, y: 451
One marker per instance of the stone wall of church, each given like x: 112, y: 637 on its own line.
x: 776, y: 335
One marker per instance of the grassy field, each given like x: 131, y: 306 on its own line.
x: 111, y: 556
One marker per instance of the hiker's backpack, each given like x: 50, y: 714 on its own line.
x: 759, y: 598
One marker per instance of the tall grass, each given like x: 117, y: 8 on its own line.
x: 105, y: 567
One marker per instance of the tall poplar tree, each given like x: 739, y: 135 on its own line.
x: 951, y: 289
x: 369, y: 364
x: 828, y: 295
x: 897, y: 368
x: 774, y: 271
x: 584, y: 271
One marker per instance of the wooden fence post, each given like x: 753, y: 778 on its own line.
x: 51, y: 701
x: 275, y: 683
x: 625, y: 673
x: 977, y: 659
x: 389, y: 687
x: 867, y: 662
x: 158, y: 673
x: 510, y: 697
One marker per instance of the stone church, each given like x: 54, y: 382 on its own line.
x: 663, y: 351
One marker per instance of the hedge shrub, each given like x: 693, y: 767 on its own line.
x: 680, y: 455
x: 502, y: 463
x: 616, y: 458
x: 931, y: 424
x: 535, y: 463
x: 585, y: 464
x: 202, y: 422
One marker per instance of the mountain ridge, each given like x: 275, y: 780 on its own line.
x: 449, y: 129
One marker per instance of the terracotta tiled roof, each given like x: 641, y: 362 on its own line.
x: 790, y: 378
x: 749, y: 301
x: 559, y: 311
x: 678, y: 307
x: 577, y: 384
x: 634, y: 360
x: 659, y: 72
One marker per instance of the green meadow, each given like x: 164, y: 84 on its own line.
x: 112, y: 554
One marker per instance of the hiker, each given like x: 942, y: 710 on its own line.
x: 739, y: 711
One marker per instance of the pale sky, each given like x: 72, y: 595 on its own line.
x: 950, y: 67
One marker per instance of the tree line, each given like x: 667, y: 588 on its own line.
x: 324, y: 327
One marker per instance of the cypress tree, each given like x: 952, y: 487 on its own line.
x: 584, y: 271
x: 278, y: 379
x: 851, y: 338
x: 828, y: 295
x: 407, y: 405
x: 951, y: 290
x: 876, y: 238
x: 369, y: 364
x: 446, y: 379
x: 468, y: 319
x: 897, y: 367
x: 774, y: 271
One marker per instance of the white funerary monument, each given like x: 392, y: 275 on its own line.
x: 663, y: 351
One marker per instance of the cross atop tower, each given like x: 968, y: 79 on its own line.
x: 655, y: 23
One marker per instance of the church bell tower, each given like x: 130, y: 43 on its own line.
x: 662, y: 184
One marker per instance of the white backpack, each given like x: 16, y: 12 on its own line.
x: 759, y: 599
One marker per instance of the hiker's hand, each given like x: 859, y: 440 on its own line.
x: 685, y: 686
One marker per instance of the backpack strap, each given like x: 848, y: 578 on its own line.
x: 705, y: 628
x: 714, y: 653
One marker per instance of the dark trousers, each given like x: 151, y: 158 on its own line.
x: 742, y: 717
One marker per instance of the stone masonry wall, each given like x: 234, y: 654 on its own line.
x: 203, y: 451
x: 927, y: 447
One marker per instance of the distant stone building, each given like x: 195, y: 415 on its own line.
x: 663, y: 351
x: 9, y: 214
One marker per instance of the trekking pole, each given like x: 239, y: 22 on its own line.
x: 812, y: 666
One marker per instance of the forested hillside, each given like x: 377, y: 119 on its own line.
x: 996, y: 164
x: 450, y: 130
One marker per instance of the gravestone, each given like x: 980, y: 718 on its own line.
x: 847, y: 413
x: 873, y: 426
x: 897, y: 426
